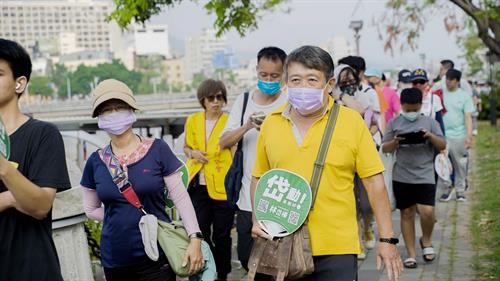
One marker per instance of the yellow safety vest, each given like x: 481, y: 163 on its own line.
x: 219, y: 160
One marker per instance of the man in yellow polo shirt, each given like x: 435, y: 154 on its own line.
x: 290, y: 138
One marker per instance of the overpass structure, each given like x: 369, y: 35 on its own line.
x: 156, y: 110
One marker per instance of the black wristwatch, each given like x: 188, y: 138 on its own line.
x: 198, y: 235
x: 393, y: 241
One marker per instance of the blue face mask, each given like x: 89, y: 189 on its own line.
x: 411, y: 116
x: 269, y: 88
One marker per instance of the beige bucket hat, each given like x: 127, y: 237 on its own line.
x: 112, y: 89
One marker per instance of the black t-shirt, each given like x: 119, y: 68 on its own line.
x: 27, y: 251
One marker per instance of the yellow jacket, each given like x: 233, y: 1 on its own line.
x: 219, y: 160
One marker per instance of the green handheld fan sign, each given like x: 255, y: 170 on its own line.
x: 4, y: 141
x: 282, y: 202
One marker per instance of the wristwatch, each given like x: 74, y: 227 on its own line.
x: 393, y: 241
x: 198, y: 235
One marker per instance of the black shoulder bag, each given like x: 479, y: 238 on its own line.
x: 234, y: 175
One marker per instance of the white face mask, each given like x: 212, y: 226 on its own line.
x: 411, y: 116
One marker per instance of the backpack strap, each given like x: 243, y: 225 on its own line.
x: 319, y: 164
x: 245, y: 102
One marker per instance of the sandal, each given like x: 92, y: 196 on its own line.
x: 410, y: 263
x: 427, y: 251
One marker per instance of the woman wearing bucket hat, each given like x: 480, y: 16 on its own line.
x: 208, y: 164
x: 149, y: 165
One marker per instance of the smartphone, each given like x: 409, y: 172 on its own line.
x: 258, y: 118
x: 412, y: 138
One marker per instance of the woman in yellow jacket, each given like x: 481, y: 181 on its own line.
x: 208, y: 165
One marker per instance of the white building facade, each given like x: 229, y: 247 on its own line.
x: 152, y: 39
x: 76, y: 24
x: 200, y: 52
x: 338, y: 47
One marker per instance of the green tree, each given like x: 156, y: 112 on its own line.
x: 226, y: 75
x: 40, y: 85
x: 473, y: 49
x: 197, y: 79
x: 59, y: 76
x: 241, y: 15
x: 151, y: 68
x: 85, y: 77
x: 406, y: 19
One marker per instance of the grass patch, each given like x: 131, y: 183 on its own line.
x: 485, y: 216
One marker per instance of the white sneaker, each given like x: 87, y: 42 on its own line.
x: 362, y: 256
x: 369, y: 239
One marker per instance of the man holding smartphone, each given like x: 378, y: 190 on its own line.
x: 267, y: 97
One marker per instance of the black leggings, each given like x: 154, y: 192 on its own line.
x: 147, y: 270
x: 216, y: 219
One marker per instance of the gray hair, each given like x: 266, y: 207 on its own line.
x: 311, y: 57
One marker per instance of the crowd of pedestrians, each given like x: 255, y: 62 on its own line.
x: 277, y: 125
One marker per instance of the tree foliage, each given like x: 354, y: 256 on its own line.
x: 241, y: 15
x: 152, y: 79
x: 400, y: 26
x: 40, y: 85
x: 473, y: 48
x: 85, y: 77
x: 405, y: 19
x: 197, y: 79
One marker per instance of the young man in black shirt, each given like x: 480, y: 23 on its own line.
x: 29, y: 179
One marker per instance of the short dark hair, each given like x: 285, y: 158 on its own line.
x: 16, y: 56
x: 453, y: 74
x: 448, y: 64
x: 312, y: 57
x: 210, y: 87
x: 411, y: 96
x: 272, y: 53
x: 358, y: 63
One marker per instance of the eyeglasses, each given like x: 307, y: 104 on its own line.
x: 218, y: 97
x: 114, y: 107
x: 419, y: 82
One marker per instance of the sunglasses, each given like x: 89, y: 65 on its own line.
x: 218, y: 97
x: 419, y: 82
x: 347, y: 83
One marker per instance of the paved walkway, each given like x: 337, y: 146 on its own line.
x: 451, y: 240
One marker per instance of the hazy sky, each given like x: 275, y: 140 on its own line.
x: 312, y: 22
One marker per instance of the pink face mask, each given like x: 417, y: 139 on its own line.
x: 305, y: 100
x: 116, y: 123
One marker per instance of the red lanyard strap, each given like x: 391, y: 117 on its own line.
x: 120, y: 177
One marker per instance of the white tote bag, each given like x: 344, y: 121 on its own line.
x: 388, y: 159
